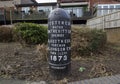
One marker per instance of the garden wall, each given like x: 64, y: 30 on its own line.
x: 110, y: 23
x: 113, y: 35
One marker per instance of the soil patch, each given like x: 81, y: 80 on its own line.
x: 25, y: 63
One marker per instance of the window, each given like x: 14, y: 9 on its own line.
x: 79, y: 12
x: 45, y: 9
x: 26, y: 9
x: 99, y: 7
x: 99, y: 12
x: 75, y: 11
x: 118, y: 6
x: 69, y: 10
x: 105, y: 7
x: 111, y: 8
x: 105, y: 10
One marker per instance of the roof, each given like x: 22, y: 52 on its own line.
x: 34, y: 1
x: 28, y: 1
x: 25, y: 3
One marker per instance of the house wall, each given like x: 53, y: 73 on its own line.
x: 103, y: 9
x: 92, y: 3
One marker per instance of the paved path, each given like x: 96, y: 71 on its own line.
x: 4, y: 81
x: 103, y: 80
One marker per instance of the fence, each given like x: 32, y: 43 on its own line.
x: 107, y: 21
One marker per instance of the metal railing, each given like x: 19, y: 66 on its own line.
x: 20, y: 15
x: 11, y: 15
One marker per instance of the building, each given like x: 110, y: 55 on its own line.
x: 8, y: 9
x: 5, y: 7
x: 31, y: 10
x: 8, y: 3
x: 78, y: 9
x: 103, y: 7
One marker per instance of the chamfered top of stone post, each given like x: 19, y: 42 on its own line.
x: 60, y: 14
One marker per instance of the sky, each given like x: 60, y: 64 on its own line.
x: 46, y: 1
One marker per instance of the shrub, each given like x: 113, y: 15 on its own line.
x: 86, y: 41
x: 30, y: 33
x: 98, y: 39
x: 6, y: 34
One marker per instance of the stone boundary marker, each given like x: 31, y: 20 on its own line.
x: 59, y: 43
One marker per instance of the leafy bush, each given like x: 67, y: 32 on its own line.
x: 86, y: 41
x: 6, y: 34
x: 98, y: 39
x: 30, y: 33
